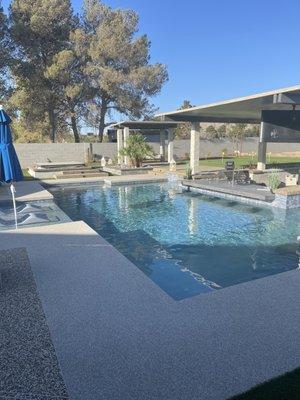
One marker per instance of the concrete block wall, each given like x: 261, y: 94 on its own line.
x: 105, y: 149
x: 214, y: 148
x: 31, y: 153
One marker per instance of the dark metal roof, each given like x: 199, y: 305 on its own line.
x: 144, y: 125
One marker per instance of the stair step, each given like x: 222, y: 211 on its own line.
x: 80, y: 171
x: 59, y: 166
x: 86, y: 175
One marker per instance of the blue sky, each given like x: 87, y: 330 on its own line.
x: 219, y: 49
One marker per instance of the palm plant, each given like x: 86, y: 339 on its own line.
x: 137, y: 149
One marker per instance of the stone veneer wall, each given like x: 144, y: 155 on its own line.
x: 31, y: 153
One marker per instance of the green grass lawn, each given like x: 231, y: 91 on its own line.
x: 245, y: 160
x: 285, y: 387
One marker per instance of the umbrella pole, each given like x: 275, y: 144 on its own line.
x: 13, y: 191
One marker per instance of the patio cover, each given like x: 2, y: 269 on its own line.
x: 245, y: 109
x: 277, y: 111
x: 123, y: 130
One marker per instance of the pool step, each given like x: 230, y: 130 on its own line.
x: 58, y: 166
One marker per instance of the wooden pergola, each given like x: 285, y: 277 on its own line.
x: 277, y: 112
x: 165, y: 129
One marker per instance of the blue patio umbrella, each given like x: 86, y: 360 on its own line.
x: 10, y: 169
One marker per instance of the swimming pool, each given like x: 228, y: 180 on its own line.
x: 188, y: 243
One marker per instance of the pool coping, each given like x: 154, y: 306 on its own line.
x: 227, y: 196
x: 109, y: 181
x: 127, y: 339
x: 25, y: 191
x: 280, y: 200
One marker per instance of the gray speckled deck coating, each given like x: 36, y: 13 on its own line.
x: 119, y: 336
x: 29, y: 369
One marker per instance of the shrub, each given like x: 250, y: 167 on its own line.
x: 273, y: 180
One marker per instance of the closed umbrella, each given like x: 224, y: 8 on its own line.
x: 10, y: 169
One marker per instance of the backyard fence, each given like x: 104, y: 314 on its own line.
x: 32, y: 153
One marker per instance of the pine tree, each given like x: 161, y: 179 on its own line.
x: 67, y: 71
x: 5, y: 54
x: 118, y: 71
x: 40, y: 30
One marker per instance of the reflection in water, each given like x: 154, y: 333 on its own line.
x: 122, y: 197
x: 186, y: 243
x: 193, y: 216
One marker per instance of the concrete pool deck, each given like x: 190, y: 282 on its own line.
x: 117, y: 335
x: 25, y: 191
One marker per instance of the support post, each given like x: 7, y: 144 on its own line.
x: 162, y: 146
x: 262, y: 149
x: 120, y: 145
x: 170, y: 145
x: 195, y: 147
x: 126, y: 137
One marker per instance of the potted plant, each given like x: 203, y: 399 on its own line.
x: 137, y: 149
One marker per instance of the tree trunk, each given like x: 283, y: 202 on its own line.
x: 52, y: 121
x: 102, y: 119
x: 75, y: 129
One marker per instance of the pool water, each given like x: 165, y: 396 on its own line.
x: 188, y: 243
